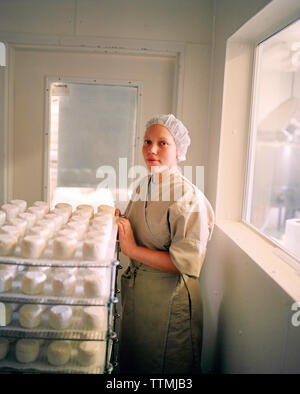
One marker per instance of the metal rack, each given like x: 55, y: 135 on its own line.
x: 76, y: 333
x: 116, y: 315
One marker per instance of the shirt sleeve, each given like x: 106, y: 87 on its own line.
x: 190, y: 228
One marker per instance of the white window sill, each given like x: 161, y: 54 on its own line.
x: 284, y: 271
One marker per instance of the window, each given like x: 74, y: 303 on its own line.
x: 92, y: 124
x: 272, y: 200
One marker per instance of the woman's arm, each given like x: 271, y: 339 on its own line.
x: 154, y: 258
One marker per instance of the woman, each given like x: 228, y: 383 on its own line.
x: 164, y: 232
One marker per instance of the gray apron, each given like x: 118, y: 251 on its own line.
x: 161, y: 325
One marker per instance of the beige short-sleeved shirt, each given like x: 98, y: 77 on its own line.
x: 178, y: 217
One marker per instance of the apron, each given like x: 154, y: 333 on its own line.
x: 161, y: 323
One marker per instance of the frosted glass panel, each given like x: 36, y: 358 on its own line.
x: 96, y: 124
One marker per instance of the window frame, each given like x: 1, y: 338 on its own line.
x: 92, y: 81
x: 250, y: 161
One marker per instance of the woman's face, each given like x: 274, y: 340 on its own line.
x: 159, y: 148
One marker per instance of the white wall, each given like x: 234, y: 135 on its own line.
x: 171, y: 20
x: 248, y: 292
x: 188, y: 23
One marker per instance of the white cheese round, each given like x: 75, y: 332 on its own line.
x: 27, y: 350
x: 59, y: 352
x: 88, y: 352
x: 6, y: 280
x: 64, y: 232
x: 60, y: 317
x: 30, y: 315
x: 58, y: 220
x: 11, y: 210
x: 33, y: 246
x: 64, y: 247
x: 106, y: 209
x: 67, y: 207
x: 20, y: 223
x: 95, y: 318
x: 8, y: 244
x: 13, y: 268
x: 85, y: 207
x: 83, y: 213
x: 42, y: 204
x: 95, y: 249
x: 32, y: 282
x: 63, y: 284
x: 79, y: 218
x: 65, y: 214
x: 79, y: 227
x: 95, y: 286
x: 29, y: 217
x: 40, y: 231
x: 39, y: 212
x: 13, y: 230
x: 97, y: 234
x: 48, y: 224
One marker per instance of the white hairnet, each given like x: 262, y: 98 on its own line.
x: 177, y: 129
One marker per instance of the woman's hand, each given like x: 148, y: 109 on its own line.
x: 154, y: 258
x: 117, y: 212
x: 126, y: 237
